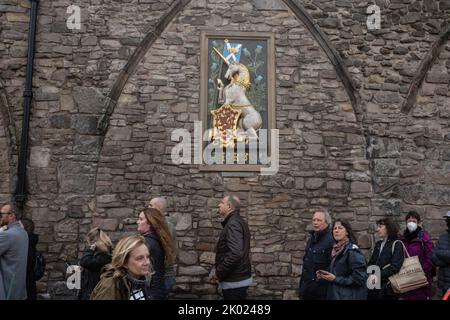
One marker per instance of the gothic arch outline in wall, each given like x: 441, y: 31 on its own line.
x: 302, y: 14
x: 135, y: 199
x: 10, y: 131
x: 425, y: 65
x: 135, y: 59
x: 298, y: 10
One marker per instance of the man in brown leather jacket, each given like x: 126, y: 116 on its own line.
x: 233, y: 270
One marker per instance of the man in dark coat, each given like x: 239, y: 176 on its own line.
x: 441, y: 257
x: 317, y: 257
x: 232, y: 266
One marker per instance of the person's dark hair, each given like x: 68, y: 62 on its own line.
x: 391, y: 227
x: 348, y: 228
x: 28, y: 225
x: 413, y: 214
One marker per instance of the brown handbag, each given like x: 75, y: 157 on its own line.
x: 410, y: 276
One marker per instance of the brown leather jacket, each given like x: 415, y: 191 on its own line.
x: 233, y: 250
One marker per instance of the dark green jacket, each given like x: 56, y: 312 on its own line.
x: 111, y: 288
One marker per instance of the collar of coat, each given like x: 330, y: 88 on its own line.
x: 224, y: 222
x: 317, y: 235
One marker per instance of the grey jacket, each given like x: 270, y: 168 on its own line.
x: 13, y: 262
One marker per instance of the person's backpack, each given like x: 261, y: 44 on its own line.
x: 39, y: 266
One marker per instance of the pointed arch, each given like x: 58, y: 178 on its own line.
x: 138, y: 55
x: 425, y: 65
x: 302, y: 14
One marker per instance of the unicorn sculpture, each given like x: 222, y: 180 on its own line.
x: 234, y: 96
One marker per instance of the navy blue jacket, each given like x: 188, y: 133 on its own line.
x: 157, y: 257
x: 349, y: 267
x: 317, y: 256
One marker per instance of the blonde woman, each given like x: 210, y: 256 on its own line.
x: 128, y: 276
x: 153, y: 226
x: 95, y: 257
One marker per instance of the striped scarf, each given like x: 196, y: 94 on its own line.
x: 338, y: 248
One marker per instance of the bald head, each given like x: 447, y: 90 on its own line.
x: 234, y: 201
x: 9, y: 214
x: 160, y: 204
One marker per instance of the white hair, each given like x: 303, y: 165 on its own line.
x: 326, y: 214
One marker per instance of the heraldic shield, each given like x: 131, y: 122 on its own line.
x: 225, y: 121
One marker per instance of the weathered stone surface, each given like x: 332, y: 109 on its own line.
x: 120, y: 133
x: 40, y: 157
x: 360, y: 187
x: 88, y: 100
x: 184, y: 223
x: 60, y: 121
x: 85, y: 144
x: 85, y: 124
x: 105, y: 224
x: 208, y: 257
x: 315, y: 150
x: 188, y: 258
x: 269, y: 5
x: 313, y: 183
x: 192, y: 271
x: 67, y: 226
x: 331, y: 153
x: 387, y: 167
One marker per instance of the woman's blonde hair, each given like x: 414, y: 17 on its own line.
x: 102, y: 241
x: 159, y: 225
x: 122, y: 252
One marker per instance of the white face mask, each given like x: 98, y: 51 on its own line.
x: 412, y: 226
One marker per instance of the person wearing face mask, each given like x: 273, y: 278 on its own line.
x: 441, y: 257
x: 418, y: 242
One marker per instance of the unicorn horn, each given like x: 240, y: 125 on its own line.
x: 220, y: 55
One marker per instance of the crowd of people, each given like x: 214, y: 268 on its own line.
x: 143, y: 266
x: 334, y: 268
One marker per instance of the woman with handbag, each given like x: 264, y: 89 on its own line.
x: 418, y: 243
x: 388, y: 257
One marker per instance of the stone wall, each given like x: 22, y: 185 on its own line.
x: 362, y: 161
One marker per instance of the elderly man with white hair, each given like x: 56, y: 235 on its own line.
x: 317, y: 257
